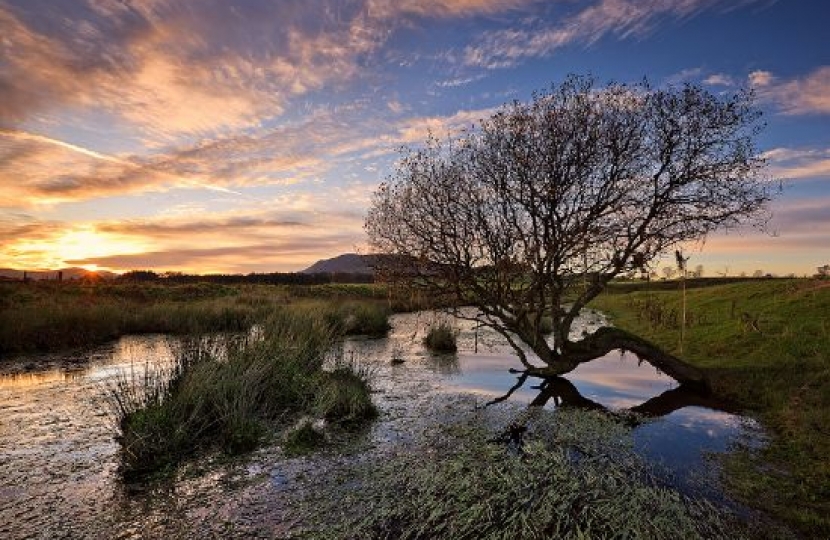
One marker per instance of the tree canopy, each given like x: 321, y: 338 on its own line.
x: 531, y: 213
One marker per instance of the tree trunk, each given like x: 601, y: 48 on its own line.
x: 608, y: 339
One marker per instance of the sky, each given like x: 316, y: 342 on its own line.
x: 241, y: 136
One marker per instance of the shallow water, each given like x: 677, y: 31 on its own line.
x: 679, y: 441
x: 58, y: 457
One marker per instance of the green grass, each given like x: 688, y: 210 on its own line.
x: 230, y: 393
x: 441, y: 338
x: 343, y: 392
x: 576, y: 479
x: 766, y: 345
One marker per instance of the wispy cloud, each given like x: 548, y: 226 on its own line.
x: 806, y: 95
x: 459, y: 81
x: 48, y: 171
x: 444, y: 8
x: 149, y: 64
x: 799, y: 163
x: 620, y: 18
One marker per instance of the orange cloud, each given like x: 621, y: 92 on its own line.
x: 288, y: 233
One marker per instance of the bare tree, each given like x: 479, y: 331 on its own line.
x: 699, y: 271
x: 533, y: 212
x: 668, y: 272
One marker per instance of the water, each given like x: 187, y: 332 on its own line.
x: 679, y: 441
x: 58, y: 456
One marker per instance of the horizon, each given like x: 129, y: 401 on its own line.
x: 248, y: 137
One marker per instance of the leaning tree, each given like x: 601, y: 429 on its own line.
x: 530, y: 214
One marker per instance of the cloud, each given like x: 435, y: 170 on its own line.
x: 444, y: 8
x: 760, y: 78
x: 36, y: 170
x: 806, y: 95
x: 796, y: 163
x: 719, y: 79
x: 620, y: 18
x: 281, y: 256
x: 459, y: 81
x: 168, y: 70
x: 150, y: 65
x: 296, y: 228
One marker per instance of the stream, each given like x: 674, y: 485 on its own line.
x: 58, y: 455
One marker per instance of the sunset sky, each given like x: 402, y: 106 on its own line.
x: 248, y: 135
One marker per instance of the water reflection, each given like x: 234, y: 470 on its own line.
x: 446, y: 365
x: 670, y: 417
x: 35, y: 378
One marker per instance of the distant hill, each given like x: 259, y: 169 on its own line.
x: 348, y: 263
x: 68, y: 273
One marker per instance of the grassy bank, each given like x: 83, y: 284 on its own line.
x: 766, y: 345
x: 231, y: 393
x: 48, y: 316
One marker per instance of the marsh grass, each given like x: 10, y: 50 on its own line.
x: 441, y: 338
x: 53, y: 320
x: 360, y: 318
x: 46, y: 316
x: 232, y: 393
x: 777, y: 366
x: 576, y: 478
x: 343, y: 392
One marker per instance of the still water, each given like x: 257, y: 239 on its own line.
x: 58, y: 456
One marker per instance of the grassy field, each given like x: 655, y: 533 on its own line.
x: 47, y: 316
x: 766, y: 345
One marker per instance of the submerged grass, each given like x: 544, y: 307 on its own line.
x: 576, y: 477
x: 231, y: 392
x: 766, y: 345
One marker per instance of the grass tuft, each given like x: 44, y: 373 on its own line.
x: 441, y: 338
x: 343, y: 393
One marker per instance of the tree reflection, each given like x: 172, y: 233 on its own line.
x: 564, y: 393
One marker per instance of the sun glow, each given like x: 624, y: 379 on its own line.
x: 63, y: 247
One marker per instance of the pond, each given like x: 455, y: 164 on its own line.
x: 58, y: 457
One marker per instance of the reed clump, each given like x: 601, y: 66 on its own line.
x: 441, y: 338
x: 231, y: 392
